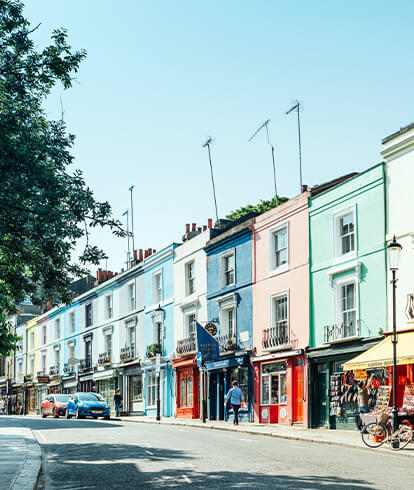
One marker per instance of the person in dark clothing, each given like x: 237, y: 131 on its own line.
x: 236, y: 398
x: 117, y: 401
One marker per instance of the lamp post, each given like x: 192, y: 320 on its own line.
x: 160, y: 311
x: 394, y: 250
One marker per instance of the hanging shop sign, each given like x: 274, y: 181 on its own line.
x: 43, y: 379
x: 360, y: 374
x: 408, y: 399
x: 211, y: 328
x: 207, y: 344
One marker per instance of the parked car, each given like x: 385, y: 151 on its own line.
x: 54, y: 405
x: 83, y: 405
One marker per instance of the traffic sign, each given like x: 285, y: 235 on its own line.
x: 199, y: 359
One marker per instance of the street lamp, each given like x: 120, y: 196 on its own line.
x: 160, y: 311
x: 394, y: 250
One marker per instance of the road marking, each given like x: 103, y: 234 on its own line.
x: 41, y: 436
x: 185, y: 477
x: 149, y: 452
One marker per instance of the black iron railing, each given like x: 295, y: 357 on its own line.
x: 54, y: 370
x: 276, y: 337
x: 227, y: 342
x: 340, y: 331
x: 104, y: 358
x: 85, y: 364
x: 186, y: 346
x: 127, y: 353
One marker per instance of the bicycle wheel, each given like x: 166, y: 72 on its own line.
x: 404, y: 436
x: 374, y: 435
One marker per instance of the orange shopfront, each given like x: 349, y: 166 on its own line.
x: 188, y: 388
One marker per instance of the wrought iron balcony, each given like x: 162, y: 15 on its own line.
x: 186, y: 346
x: 85, y: 364
x: 340, y: 331
x: 53, y: 370
x: 276, y: 337
x: 227, y: 343
x: 153, y: 350
x: 104, y: 358
x: 41, y: 373
x: 127, y: 353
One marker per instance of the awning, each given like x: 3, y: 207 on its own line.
x: 109, y: 373
x: 225, y: 363
x: 278, y: 355
x: 184, y: 363
x: 70, y: 384
x: 381, y: 354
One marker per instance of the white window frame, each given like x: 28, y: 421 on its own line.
x: 187, y: 316
x: 72, y: 322
x: 131, y: 327
x: 32, y: 365
x: 109, y: 310
x: 87, y: 305
x: 338, y: 255
x: 275, y: 296
x: 188, y: 279
x: 56, y: 348
x: 273, y: 270
x: 151, y: 375
x: 32, y: 336
x: 269, y: 376
x: 337, y: 286
x: 108, y: 340
x: 58, y: 332
x: 44, y: 335
x: 223, y: 257
x: 156, y: 297
x: 44, y: 361
x: 131, y: 297
x: 71, y: 349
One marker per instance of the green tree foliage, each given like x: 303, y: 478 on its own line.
x: 44, y: 208
x: 262, y: 207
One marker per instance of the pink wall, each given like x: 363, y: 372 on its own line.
x: 295, y: 279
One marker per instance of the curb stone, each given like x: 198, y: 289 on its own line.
x: 29, y: 474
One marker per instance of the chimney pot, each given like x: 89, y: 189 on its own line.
x: 304, y: 188
x: 204, y: 227
x: 154, y: 251
x: 193, y: 227
x: 199, y: 229
x: 135, y: 254
x: 187, y: 227
x: 210, y: 222
x: 141, y: 254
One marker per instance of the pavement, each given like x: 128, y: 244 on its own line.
x: 20, y: 456
x: 343, y: 438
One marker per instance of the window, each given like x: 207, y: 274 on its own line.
x: 157, y: 288
x: 57, y: 328
x: 20, y: 372
x: 108, y: 306
x: 88, y: 349
x: 131, y: 336
x: 186, y: 389
x: 43, y: 362
x: 348, y: 309
x: 88, y: 315
x: 57, y: 358
x: 190, y: 325
x: 32, y: 340
x: 273, y: 384
x: 345, y: 233
x: 151, y: 389
x: 108, y: 345
x: 183, y: 398
x: 44, y: 338
x: 229, y: 317
x: 156, y: 332
x: 227, y: 262
x: 72, y: 321
x: 32, y: 366
x: 71, y: 351
x: 190, y: 391
x: 190, y: 278
x: 135, y: 383
x: 280, y: 323
x: 131, y: 296
x: 279, y: 255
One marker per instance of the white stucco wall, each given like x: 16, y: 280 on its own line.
x: 398, y: 154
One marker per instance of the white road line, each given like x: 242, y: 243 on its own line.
x: 186, y: 479
x: 41, y: 436
x: 149, y: 452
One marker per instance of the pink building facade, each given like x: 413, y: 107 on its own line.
x: 280, y: 247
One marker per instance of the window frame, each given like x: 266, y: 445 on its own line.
x: 279, y: 374
x: 337, y: 240
x: 57, y: 329
x: 337, y: 286
x: 223, y: 271
x: 72, y: 322
x: 157, y: 293
x: 109, y: 310
x: 190, y: 281
x: 151, y: 376
x: 87, y: 306
x: 273, y: 268
x: 131, y: 297
x: 273, y: 298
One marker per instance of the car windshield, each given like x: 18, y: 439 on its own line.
x: 90, y: 397
x: 62, y: 398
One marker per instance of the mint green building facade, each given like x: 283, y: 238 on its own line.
x: 348, y: 302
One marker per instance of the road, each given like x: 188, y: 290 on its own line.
x: 90, y: 454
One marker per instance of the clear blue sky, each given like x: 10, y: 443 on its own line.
x: 160, y: 76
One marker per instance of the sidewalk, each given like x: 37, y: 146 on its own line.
x: 19, y: 458
x: 344, y: 438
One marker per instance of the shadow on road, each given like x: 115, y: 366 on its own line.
x: 50, y: 423
x: 113, y: 466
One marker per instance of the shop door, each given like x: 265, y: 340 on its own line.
x: 212, y: 393
x: 321, y: 399
x: 220, y: 396
x: 298, y: 395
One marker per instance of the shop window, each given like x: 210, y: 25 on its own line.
x: 183, y: 390
x: 151, y: 389
x: 274, y: 385
x: 136, y: 388
x: 107, y: 389
x: 190, y: 392
x: 244, y: 383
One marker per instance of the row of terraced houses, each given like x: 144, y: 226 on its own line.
x: 294, y: 293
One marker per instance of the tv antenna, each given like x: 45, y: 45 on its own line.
x: 127, y: 220
x: 298, y: 106
x: 207, y: 144
x: 266, y: 126
x: 132, y: 219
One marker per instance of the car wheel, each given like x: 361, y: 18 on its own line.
x: 42, y: 412
x: 78, y: 415
x: 68, y: 416
x: 55, y: 414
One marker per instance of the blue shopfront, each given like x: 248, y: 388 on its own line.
x: 221, y: 374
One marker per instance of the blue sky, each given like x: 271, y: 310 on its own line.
x: 161, y: 76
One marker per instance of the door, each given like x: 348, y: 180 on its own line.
x: 220, y: 396
x: 298, y: 395
x: 321, y: 399
x: 212, y: 393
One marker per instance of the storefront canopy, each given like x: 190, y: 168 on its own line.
x: 381, y: 354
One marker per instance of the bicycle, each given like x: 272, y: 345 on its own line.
x: 375, y: 434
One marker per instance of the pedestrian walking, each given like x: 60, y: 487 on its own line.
x: 363, y: 394
x: 235, y: 395
x: 118, y: 401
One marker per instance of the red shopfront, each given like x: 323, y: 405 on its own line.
x: 188, y: 388
x: 280, y: 390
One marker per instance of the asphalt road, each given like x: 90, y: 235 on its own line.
x: 90, y: 454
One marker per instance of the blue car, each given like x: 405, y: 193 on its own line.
x: 83, y: 405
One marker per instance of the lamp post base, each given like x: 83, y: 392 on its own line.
x: 395, y: 443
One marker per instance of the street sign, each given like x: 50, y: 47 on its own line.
x: 158, y: 363
x: 211, y: 328
x: 199, y: 359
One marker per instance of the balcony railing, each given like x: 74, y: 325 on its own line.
x: 53, y: 370
x: 68, y: 368
x: 127, y: 353
x: 227, y: 342
x: 340, y: 331
x: 276, y: 337
x: 153, y: 350
x: 85, y: 364
x: 186, y: 346
x: 41, y: 373
x: 104, y: 358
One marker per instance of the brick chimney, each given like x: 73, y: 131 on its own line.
x: 141, y: 254
x: 210, y: 223
x: 187, y: 227
x: 193, y: 227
